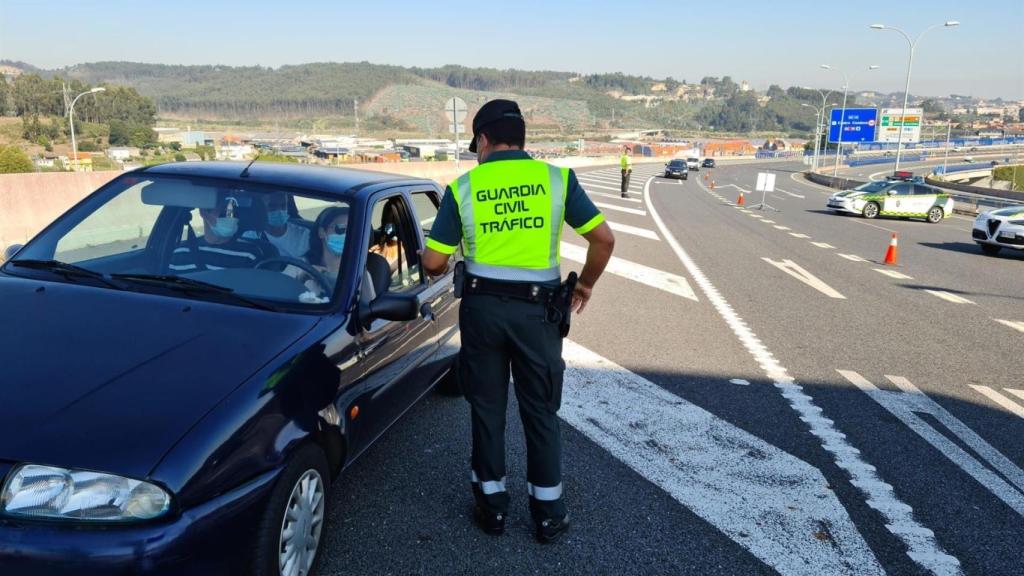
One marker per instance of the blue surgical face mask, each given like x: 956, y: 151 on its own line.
x: 277, y: 217
x: 225, y: 227
x: 336, y: 243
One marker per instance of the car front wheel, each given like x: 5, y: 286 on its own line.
x: 288, y: 541
x: 935, y: 215
x: 871, y: 210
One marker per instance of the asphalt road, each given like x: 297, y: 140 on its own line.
x: 749, y: 392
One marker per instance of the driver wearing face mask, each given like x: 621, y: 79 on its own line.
x: 219, y: 247
x: 289, y: 237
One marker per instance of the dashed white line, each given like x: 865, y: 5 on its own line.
x: 801, y: 196
x: 612, y: 196
x: 892, y: 274
x: 1015, y: 324
x: 620, y: 208
x: 739, y: 382
x: 1015, y: 392
x: 782, y: 227
x: 766, y: 221
x: 671, y: 283
x: 634, y: 230
x: 949, y: 296
x: 900, y: 521
x: 798, y: 235
x: 825, y: 245
x: 853, y: 257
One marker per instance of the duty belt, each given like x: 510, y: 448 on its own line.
x: 518, y: 290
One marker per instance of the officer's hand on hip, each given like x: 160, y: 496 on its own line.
x: 580, y: 296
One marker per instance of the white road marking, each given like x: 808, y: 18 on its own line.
x: 1015, y: 392
x: 671, y: 283
x: 1001, y: 400
x: 739, y: 382
x: 766, y: 500
x: 949, y: 297
x: 825, y: 245
x: 853, y: 257
x: 1015, y: 324
x: 616, y: 196
x: 794, y: 270
x: 798, y: 235
x: 752, y: 215
x: 620, y: 208
x: 790, y: 193
x: 782, y: 227
x: 768, y: 221
x: 635, y: 231
x: 910, y: 402
x: 920, y: 541
x: 893, y: 274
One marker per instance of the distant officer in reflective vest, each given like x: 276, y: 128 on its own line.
x: 626, y: 163
x: 507, y: 215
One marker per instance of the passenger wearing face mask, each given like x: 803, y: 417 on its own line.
x: 219, y: 247
x: 326, y: 248
x: 290, y: 238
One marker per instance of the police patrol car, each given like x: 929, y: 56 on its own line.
x: 998, y: 229
x: 901, y: 195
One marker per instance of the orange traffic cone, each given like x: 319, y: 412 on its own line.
x: 740, y: 201
x: 712, y: 184
x: 890, y: 254
x: 706, y: 177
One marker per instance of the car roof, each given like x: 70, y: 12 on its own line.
x: 324, y: 179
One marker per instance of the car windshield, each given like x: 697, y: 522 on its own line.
x: 872, y: 187
x: 197, y: 238
x: 677, y: 163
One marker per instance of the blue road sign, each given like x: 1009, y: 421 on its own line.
x: 858, y: 126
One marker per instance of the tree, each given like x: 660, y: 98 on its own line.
x: 5, y: 90
x: 179, y: 157
x: 1020, y: 114
x: 14, y: 160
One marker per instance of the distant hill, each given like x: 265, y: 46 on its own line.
x: 410, y: 94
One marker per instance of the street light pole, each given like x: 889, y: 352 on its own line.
x: 71, y: 120
x: 842, y: 115
x: 910, y: 65
x: 949, y: 132
x: 817, y: 136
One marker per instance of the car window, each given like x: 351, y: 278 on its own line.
x: 902, y: 189
x: 871, y: 187
x: 425, y: 204
x: 393, y: 235
x: 920, y: 190
x: 145, y: 232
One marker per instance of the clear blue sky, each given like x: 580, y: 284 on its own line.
x: 763, y: 42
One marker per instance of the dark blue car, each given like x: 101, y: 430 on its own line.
x: 193, y: 352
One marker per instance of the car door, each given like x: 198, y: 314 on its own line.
x: 441, y: 296
x: 898, y: 198
x: 389, y: 351
x: 923, y: 198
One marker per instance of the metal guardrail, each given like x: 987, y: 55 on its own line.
x: 887, y: 160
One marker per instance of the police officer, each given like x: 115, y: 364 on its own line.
x: 507, y: 214
x: 626, y: 163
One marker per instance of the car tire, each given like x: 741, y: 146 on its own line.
x: 449, y: 384
x: 935, y: 215
x: 304, y: 479
x: 685, y: 178
x: 990, y: 249
x: 871, y: 210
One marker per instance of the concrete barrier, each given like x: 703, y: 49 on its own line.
x: 29, y: 202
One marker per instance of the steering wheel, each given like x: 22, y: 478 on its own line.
x: 301, y: 264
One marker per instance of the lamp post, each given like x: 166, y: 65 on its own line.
x: 71, y: 120
x: 910, y: 64
x: 842, y: 115
x: 817, y: 133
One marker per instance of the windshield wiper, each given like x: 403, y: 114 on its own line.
x: 184, y: 284
x: 65, y: 269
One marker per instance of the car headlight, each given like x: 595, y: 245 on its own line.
x: 58, y: 493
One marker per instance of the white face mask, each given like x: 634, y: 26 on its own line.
x: 225, y: 227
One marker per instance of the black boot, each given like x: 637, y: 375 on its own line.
x: 493, y: 524
x: 550, y: 530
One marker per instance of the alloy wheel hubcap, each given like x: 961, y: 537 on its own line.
x: 300, y: 527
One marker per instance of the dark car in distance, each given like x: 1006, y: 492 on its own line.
x: 677, y: 168
x: 708, y: 163
x: 181, y: 388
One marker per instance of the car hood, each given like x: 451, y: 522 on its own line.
x: 1011, y: 212
x: 108, y: 380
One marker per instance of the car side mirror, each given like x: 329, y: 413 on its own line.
x: 891, y: 192
x: 399, y: 307
x: 11, y: 251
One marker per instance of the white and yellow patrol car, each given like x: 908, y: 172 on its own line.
x: 998, y: 229
x: 899, y: 196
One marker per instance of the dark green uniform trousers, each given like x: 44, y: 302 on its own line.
x: 500, y: 335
